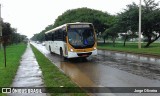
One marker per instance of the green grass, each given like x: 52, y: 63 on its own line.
x: 13, y: 54
x: 154, y: 48
x: 52, y: 76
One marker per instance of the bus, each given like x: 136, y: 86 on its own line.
x: 72, y: 40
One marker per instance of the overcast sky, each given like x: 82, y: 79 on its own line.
x: 32, y: 16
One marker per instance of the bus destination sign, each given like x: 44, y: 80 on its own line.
x: 80, y: 26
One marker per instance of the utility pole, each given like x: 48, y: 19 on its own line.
x: 139, y: 40
x: 4, y: 45
x: 0, y: 27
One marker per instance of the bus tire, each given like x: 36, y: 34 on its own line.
x: 50, y: 50
x: 61, y: 55
x: 61, y: 52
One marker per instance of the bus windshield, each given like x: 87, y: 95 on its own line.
x: 81, y: 37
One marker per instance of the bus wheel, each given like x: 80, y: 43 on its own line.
x: 61, y: 52
x: 50, y: 50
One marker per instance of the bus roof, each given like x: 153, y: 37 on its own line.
x: 64, y: 25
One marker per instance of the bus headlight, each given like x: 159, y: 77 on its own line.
x: 71, y: 50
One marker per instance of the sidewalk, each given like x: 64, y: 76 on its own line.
x: 28, y: 74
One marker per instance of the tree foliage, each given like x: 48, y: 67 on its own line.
x: 100, y: 20
x: 110, y: 26
x: 112, y: 33
x: 10, y: 33
x: 129, y: 20
x: 39, y: 37
x: 151, y: 21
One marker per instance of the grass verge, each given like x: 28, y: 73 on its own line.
x: 52, y: 76
x: 154, y: 48
x: 13, y: 55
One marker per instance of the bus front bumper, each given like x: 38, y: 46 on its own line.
x: 81, y: 54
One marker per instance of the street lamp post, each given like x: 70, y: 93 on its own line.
x: 139, y: 40
x: 0, y: 27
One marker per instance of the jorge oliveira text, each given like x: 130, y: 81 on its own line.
x: 145, y: 91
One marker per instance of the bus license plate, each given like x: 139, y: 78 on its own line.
x: 84, y: 55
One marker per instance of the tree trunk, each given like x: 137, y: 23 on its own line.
x: 104, y: 39
x: 124, y: 44
x: 150, y: 41
x: 147, y: 45
x: 114, y: 41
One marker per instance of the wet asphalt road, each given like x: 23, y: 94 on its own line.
x: 110, y: 69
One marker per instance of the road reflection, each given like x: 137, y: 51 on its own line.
x: 77, y: 75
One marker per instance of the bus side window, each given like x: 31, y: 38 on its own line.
x: 55, y: 35
x: 52, y: 36
x: 46, y: 37
x: 60, y: 35
x: 64, y: 35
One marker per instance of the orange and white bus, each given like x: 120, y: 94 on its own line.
x: 72, y: 40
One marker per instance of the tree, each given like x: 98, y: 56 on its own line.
x: 39, y: 37
x: 100, y: 20
x: 151, y: 21
x: 10, y: 33
x: 6, y: 29
x: 112, y: 32
x: 128, y: 20
x: 127, y: 36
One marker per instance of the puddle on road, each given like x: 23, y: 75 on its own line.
x: 139, y: 65
x: 145, y: 59
x: 77, y: 75
x: 71, y: 69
